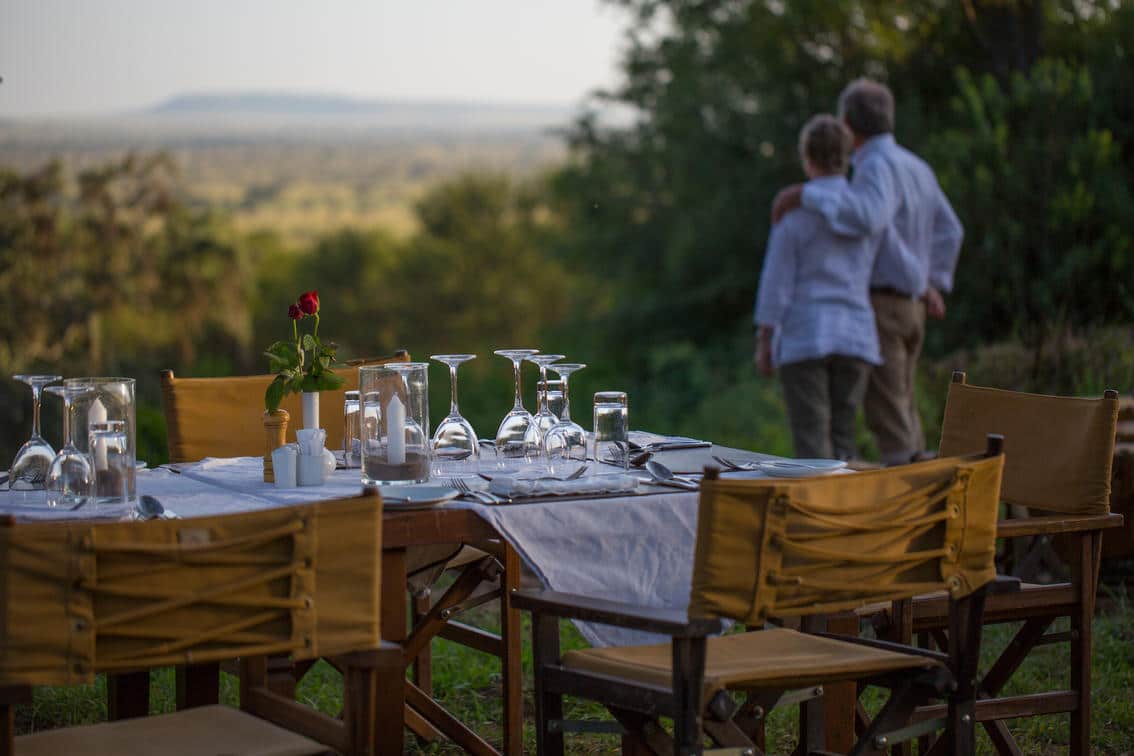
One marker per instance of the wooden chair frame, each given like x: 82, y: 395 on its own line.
x: 369, y: 670
x: 636, y: 706
x: 1038, y: 606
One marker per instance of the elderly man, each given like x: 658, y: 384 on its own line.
x: 894, y: 194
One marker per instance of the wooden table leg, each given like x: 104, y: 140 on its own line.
x: 840, y: 698
x: 197, y: 685
x: 128, y: 695
x: 390, y: 729
x: 512, y: 676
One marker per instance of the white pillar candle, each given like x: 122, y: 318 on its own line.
x: 396, y: 431
x: 97, y: 414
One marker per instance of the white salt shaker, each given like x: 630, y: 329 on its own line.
x: 284, y: 465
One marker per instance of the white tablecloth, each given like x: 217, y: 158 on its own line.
x: 637, y: 549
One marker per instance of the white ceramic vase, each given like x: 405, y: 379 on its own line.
x: 310, y: 409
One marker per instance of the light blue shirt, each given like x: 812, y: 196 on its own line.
x: 895, y: 195
x: 814, y: 289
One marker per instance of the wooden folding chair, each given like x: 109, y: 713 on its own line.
x: 1057, y: 470
x: 82, y: 598
x: 789, y: 548
x: 221, y: 417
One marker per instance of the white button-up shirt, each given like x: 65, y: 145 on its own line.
x: 893, y: 193
x: 814, y: 289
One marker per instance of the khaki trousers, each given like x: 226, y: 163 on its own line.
x: 890, y: 405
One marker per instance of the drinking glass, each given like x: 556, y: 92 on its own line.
x: 114, y: 467
x: 554, y: 391
x: 70, y: 478
x: 612, y: 428
x: 455, y: 446
x: 29, y: 468
x: 543, y: 419
x: 109, y: 399
x: 566, y: 442
x: 352, y: 430
x: 514, y: 426
x: 395, y: 449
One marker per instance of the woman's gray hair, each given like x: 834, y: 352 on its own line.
x: 867, y: 106
x: 826, y: 142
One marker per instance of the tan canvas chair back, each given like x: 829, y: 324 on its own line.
x: 78, y: 598
x: 222, y: 417
x: 794, y: 547
x: 1058, y: 449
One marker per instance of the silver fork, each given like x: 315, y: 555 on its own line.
x: 482, y: 496
x: 747, y: 466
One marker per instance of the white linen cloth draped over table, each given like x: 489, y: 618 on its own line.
x: 636, y: 549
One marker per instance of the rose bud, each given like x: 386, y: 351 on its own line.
x: 309, y: 302
x: 294, y: 312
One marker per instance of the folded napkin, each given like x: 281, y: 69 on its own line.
x: 657, y: 442
x: 517, y: 486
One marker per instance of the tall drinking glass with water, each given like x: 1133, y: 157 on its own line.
x: 612, y: 428
x: 114, y: 467
x: 108, y: 399
x: 352, y: 430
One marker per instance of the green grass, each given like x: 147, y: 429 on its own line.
x: 468, y: 683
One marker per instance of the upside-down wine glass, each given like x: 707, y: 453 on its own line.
x: 543, y: 419
x: 70, y: 478
x: 514, y: 426
x: 29, y: 468
x: 455, y: 446
x: 566, y: 442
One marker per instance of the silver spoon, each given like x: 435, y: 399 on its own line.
x: 664, y: 475
x: 149, y: 508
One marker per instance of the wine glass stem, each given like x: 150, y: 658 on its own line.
x: 453, y: 411
x: 516, y: 372
x: 66, y: 420
x: 36, y: 389
x: 543, y: 410
x: 566, y: 415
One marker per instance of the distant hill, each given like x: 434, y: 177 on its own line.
x: 210, y: 119
x: 284, y: 104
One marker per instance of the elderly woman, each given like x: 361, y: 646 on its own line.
x: 813, y: 315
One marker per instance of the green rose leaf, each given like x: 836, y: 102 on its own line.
x: 310, y: 342
x: 275, y: 393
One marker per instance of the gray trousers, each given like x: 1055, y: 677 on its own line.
x: 823, y: 397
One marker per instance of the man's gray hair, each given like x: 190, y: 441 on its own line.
x: 867, y: 106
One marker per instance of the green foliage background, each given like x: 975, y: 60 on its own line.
x: 639, y: 253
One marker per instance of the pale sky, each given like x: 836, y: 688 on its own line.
x: 61, y: 57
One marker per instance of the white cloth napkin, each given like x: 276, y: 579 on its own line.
x: 515, y: 486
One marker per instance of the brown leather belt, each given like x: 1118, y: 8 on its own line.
x: 889, y: 291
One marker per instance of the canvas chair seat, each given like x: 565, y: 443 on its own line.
x: 191, y: 732
x: 773, y: 658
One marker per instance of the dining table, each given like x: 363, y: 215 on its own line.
x: 633, y: 543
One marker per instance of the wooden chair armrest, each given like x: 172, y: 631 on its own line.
x: 572, y: 606
x: 1055, y: 524
x: 1004, y: 584
x: 898, y: 648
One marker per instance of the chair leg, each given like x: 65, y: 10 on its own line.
x: 548, y: 704
x: 423, y: 662
x: 688, y: 683
x: 1084, y: 574
x: 7, y: 729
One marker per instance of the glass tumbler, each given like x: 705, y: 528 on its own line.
x: 612, y: 428
x: 109, y: 399
x: 352, y: 430
x: 395, y: 449
x: 113, y: 464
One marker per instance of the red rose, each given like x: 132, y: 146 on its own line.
x: 309, y: 302
x: 294, y: 312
